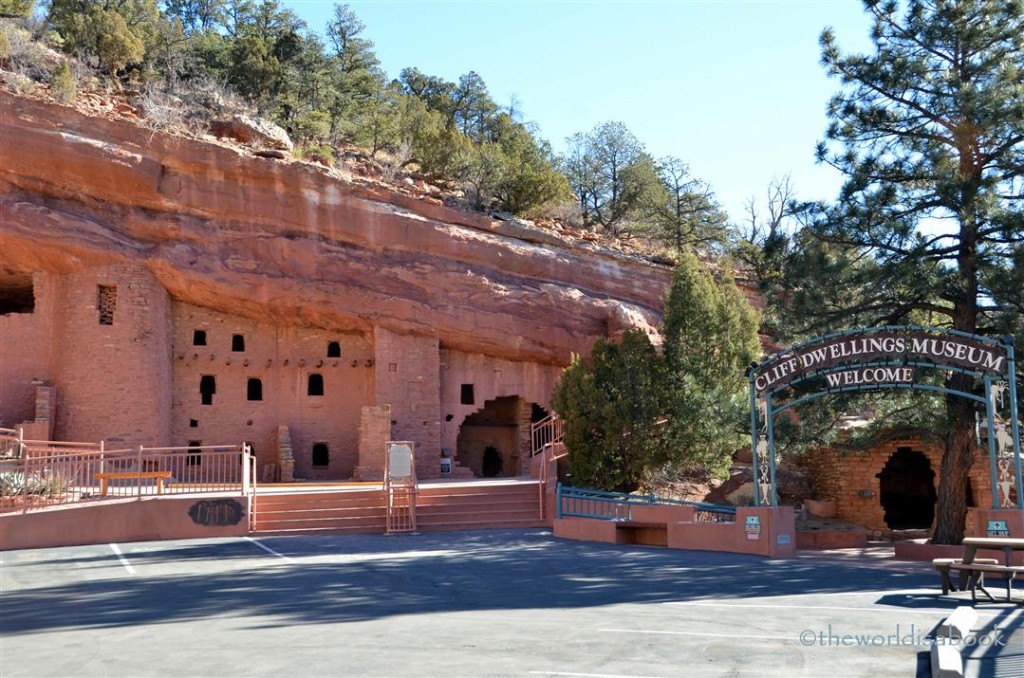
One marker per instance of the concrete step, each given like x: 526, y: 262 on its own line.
x: 448, y: 507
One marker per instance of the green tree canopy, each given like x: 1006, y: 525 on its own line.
x: 929, y: 225
x: 629, y: 410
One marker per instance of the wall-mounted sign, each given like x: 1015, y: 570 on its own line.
x: 752, y: 526
x: 997, y: 528
x: 216, y: 512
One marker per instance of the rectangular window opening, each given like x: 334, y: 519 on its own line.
x: 466, y: 395
x: 17, y: 294
x: 254, y: 391
x: 197, y: 458
x: 106, y: 303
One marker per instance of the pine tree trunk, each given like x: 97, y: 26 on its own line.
x: 951, y: 503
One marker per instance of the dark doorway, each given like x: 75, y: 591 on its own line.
x: 492, y: 462
x: 908, y: 490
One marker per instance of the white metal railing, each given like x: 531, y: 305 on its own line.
x: 52, y: 473
x: 546, y: 432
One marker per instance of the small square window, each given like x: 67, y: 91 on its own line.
x: 334, y: 349
x: 316, y: 385
x: 237, y: 343
x: 199, y: 338
x: 466, y: 394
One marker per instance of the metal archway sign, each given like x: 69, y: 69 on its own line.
x: 891, y: 357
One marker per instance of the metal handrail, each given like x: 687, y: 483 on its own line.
x: 58, y: 473
x: 546, y: 432
x: 605, y: 505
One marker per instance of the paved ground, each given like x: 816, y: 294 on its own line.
x: 494, y: 603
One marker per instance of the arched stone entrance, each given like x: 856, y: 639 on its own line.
x: 907, y: 490
x: 494, y: 440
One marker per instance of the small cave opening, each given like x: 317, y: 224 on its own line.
x: 907, y: 484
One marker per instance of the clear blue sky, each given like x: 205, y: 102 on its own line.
x: 732, y: 87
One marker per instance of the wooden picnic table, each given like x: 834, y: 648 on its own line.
x: 977, y: 571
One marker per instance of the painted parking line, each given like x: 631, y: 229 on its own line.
x: 120, y: 556
x: 269, y: 550
x: 567, y: 674
x: 702, y: 634
x: 825, y: 608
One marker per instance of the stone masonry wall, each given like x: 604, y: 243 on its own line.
x: 113, y: 380
x: 26, y: 347
x: 842, y: 476
x: 283, y: 360
x: 407, y: 378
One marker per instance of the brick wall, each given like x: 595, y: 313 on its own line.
x: 113, y: 380
x: 407, y: 378
x: 282, y: 359
x: 842, y: 476
x: 26, y: 348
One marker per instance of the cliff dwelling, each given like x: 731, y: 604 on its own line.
x: 175, y: 291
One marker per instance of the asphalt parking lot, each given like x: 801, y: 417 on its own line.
x: 468, y: 604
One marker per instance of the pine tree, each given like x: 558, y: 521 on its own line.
x: 611, y: 404
x: 929, y: 132
x: 710, y: 337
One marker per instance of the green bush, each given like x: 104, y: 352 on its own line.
x: 63, y: 83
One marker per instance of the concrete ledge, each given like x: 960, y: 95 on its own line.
x: 946, y: 662
x: 821, y: 540
x: 957, y: 625
x: 151, y: 519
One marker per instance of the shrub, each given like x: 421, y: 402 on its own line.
x: 63, y: 83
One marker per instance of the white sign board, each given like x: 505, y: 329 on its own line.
x: 400, y: 460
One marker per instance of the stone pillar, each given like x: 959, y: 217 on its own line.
x: 407, y: 376
x: 374, y: 433
x: 285, y: 459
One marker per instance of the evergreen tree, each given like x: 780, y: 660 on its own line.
x: 629, y: 410
x: 929, y: 131
x: 710, y: 337
x: 611, y: 403
x: 685, y: 214
x: 115, y: 33
x: 16, y: 9
x: 612, y: 176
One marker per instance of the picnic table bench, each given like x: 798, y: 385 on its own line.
x: 973, y: 570
x: 106, y: 477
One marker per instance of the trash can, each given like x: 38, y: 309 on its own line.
x: 446, y: 466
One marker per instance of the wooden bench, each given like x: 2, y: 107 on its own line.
x: 159, y: 476
x: 641, y: 533
x: 976, y: 578
x: 944, y: 565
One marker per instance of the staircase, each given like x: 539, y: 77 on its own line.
x: 478, y: 506
x: 439, y: 506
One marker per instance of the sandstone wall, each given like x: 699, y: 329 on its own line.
x: 26, y: 350
x: 291, y: 243
x: 113, y: 380
x: 843, y: 475
x: 282, y: 360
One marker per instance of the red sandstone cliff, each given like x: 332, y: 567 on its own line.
x: 293, y: 244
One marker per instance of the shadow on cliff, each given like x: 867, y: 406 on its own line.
x: 354, y: 578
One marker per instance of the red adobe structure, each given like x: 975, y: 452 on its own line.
x: 161, y: 290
